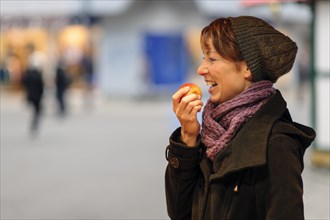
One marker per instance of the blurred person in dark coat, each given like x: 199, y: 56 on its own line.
x: 33, y: 83
x: 88, y: 74
x: 34, y: 87
x: 62, y: 82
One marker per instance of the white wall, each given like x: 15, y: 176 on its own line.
x: 322, y: 81
x: 62, y: 7
x: 38, y: 8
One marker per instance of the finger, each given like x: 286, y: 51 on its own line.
x: 197, y: 108
x: 185, y: 108
x: 177, y: 96
x: 188, y: 99
x: 193, y: 113
x: 180, y: 93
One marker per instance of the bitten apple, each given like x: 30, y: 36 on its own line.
x: 194, y: 89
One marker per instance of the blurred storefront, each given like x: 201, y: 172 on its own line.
x: 14, y: 51
x: 56, y: 38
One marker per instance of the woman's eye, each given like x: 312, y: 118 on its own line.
x: 210, y: 59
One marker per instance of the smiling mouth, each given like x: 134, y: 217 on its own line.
x: 211, y: 84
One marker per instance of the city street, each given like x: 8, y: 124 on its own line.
x: 104, y: 160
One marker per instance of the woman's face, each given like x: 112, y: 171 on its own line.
x: 222, y: 76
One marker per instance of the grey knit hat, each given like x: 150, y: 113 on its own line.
x: 268, y: 53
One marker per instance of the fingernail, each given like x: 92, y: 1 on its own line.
x: 186, y: 89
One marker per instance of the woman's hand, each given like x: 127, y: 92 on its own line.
x: 186, y: 107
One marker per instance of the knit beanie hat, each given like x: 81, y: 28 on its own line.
x: 268, y: 53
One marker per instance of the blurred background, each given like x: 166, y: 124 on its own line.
x: 93, y: 145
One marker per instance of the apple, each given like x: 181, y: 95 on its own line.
x: 194, y: 89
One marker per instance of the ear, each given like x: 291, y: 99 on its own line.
x: 246, y: 72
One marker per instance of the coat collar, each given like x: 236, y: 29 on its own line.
x: 248, y: 148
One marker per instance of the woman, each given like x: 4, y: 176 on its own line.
x: 246, y: 162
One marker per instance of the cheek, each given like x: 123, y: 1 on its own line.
x: 227, y: 90
x: 224, y: 91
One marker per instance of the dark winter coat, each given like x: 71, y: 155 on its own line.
x: 257, y: 177
x: 62, y: 81
x: 34, y: 85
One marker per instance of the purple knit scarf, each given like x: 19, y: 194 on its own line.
x: 222, y: 121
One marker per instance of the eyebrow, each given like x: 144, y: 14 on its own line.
x: 208, y: 52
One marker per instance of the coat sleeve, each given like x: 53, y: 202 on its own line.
x: 279, y: 192
x: 180, y: 177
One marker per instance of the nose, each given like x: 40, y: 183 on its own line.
x: 202, y: 69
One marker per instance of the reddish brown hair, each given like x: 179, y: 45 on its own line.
x: 223, y: 40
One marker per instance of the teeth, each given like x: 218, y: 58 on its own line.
x: 211, y: 83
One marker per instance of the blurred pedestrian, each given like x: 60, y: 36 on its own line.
x: 4, y: 74
x: 246, y: 162
x: 62, y: 83
x: 33, y: 83
x: 34, y: 87
x: 13, y: 68
x: 304, y: 72
x: 88, y: 74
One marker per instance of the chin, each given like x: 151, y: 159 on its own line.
x: 215, y: 100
